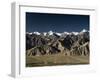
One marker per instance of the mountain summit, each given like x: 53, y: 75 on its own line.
x: 57, y: 33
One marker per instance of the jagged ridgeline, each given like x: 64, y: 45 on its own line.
x: 48, y: 43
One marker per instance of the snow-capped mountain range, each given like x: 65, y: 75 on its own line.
x: 56, y: 33
x: 76, y: 43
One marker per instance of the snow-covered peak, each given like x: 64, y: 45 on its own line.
x: 84, y: 30
x: 59, y: 34
x: 75, y: 33
x: 44, y: 33
x: 37, y: 33
x: 30, y: 33
x: 50, y: 32
x: 66, y: 33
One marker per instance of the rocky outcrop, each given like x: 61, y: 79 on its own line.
x: 80, y: 49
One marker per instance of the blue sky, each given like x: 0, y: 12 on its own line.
x: 44, y: 22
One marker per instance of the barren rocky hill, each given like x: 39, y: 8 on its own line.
x: 48, y: 43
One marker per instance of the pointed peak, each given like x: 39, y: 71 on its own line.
x: 84, y: 30
x: 50, y: 32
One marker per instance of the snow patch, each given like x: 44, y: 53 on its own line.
x: 37, y: 33
x: 50, y: 32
